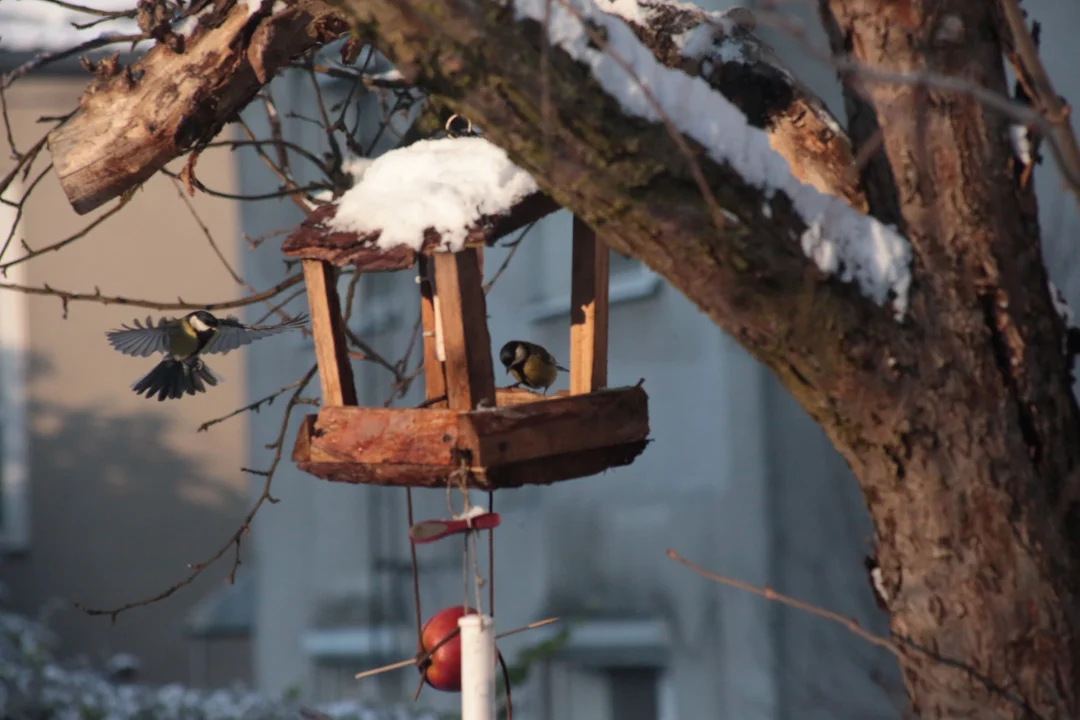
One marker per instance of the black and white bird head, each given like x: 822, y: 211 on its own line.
x: 202, y: 321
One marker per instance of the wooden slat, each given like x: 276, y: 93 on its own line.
x: 513, y: 396
x: 335, y: 371
x: 554, y: 427
x: 434, y: 374
x: 588, y: 311
x: 541, y: 471
x: 380, y: 435
x: 548, y: 470
x: 470, y: 378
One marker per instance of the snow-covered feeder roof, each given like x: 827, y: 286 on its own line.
x: 434, y: 195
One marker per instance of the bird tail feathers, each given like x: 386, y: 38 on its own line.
x: 172, y: 379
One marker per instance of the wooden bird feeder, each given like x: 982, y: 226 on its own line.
x: 502, y: 437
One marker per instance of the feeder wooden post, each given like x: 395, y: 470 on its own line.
x: 588, y: 311
x: 434, y: 373
x: 327, y: 326
x: 470, y: 377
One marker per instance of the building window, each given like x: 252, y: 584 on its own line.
x: 611, y: 669
x: 14, y: 441
x: 634, y: 693
x: 629, y: 279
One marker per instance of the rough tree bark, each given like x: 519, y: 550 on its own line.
x: 958, y: 422
x: 133, y: 120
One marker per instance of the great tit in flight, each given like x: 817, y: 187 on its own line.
x: 530, y: 364
x: 182, y: 341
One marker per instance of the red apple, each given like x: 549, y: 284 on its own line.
x: 443, y: 669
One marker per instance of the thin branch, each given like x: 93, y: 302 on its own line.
x: 111, y: 14
x: 68, y: 297
x: 254, y: 407
x: 369, y: 352
x: 770, y: 594
x: 1018, y: 112
x: 290, y: 185
x: 276, y: 143
x: 1065, y: 150
x: 19, y: 213
x: 43, y: 59
x: 7, y: 126
x: 26, y: 160
x: 287, y: 193
x: 207, y: 234
x: 235, y: 539
x: 513, y: 245
x: 66, y: 241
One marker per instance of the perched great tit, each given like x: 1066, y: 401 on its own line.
x: 182, y: 342
x: 531, y: 365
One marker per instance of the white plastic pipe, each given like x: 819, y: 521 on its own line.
x: 477, y: 667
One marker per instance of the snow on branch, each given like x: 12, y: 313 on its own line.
x: 840, y: 240
x: 722, y: 49
x: 444, y: 194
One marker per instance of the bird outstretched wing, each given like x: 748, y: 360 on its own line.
x: 231, y: 333
x: 141, y: 340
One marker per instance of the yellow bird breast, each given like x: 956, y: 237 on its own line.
x: 537, y: 373
x: 183, y: 342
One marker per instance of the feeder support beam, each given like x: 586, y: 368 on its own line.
x: 434, y: 374
x: 588, y: 311
x: 470, y: 377
x: 327, y: 325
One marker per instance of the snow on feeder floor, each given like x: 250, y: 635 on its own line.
x: 436, y: 204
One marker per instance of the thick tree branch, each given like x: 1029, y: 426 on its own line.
x: 734, y: 61
x: 629, y: 180
x: 132, y: 121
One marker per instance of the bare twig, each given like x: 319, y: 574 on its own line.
x: 43, y: 59
x: 235, y: 539
x: 19, y: 207
x: 26, y: 161
x: 513, y: 245
x: 110, y: 14
x: 96, y: 297
x: 253, y: 407
x: 1064, y: 148
x: 207, y: 234
x: 770, y: 594
x: 66, y: 241
x: 7, y: 126
x: 286, y: 193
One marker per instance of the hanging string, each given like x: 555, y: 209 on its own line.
x: 415, y: 578
x: 491, y: 557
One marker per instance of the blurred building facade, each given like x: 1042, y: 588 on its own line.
x: 107, y: 496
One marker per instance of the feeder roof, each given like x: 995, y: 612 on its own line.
x: 434, y: 195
